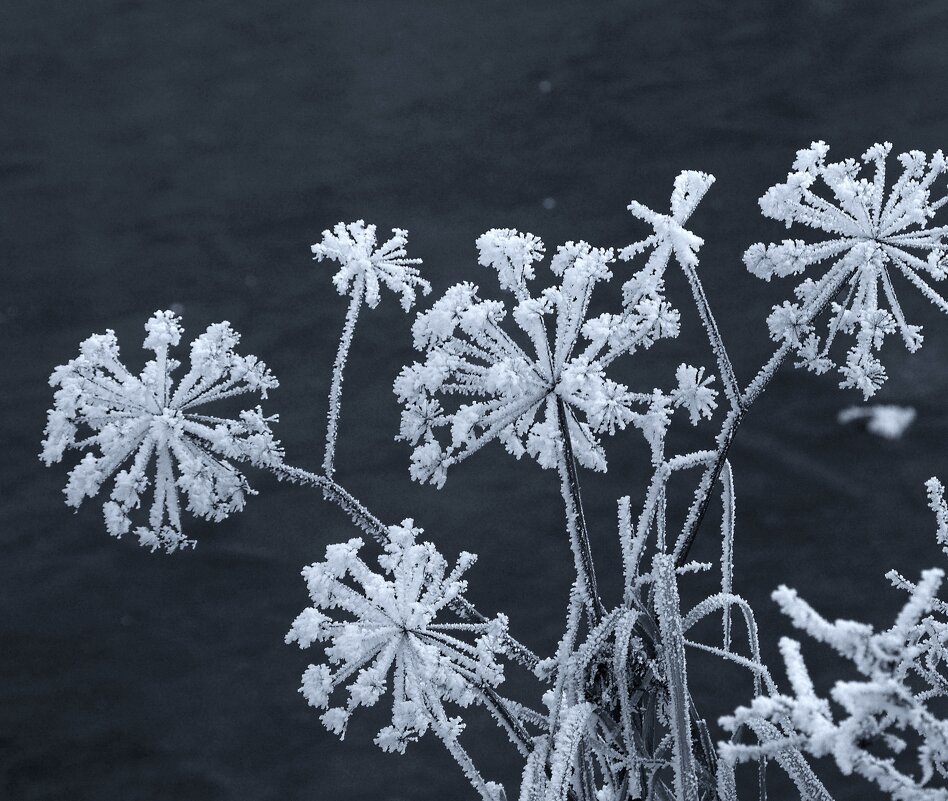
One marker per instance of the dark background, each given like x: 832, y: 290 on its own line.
x: 189, y: 152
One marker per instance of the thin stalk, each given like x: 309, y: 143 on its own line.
x: 731, y: 388
x: 339, y: 365
x: 516, y: 732
x: 575, y: 519
x: 338, y: 495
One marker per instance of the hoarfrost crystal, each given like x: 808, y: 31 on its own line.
x: 100, y: 405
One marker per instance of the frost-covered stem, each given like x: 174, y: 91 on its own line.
x: 515, y: 731
x: 575, y: 520
x: 673, y: 651
x: 338, y: 495
x: 702, y: 501
x: 442, y: 728
x: 731, y: 387
x: 339, y: 365
x: 726, y: 436
x: 727, y: 547
x: 724, y: 439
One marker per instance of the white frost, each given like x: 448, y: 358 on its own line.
x: 127, y: 420
x: 883, y: 420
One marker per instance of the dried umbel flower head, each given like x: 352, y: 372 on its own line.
x: 145, y: 431
x: 363, y: 267
x: 525, y: 396
x: 871, y: 237
x: 392, y: 629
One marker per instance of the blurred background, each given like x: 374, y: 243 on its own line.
x: 186, y: 154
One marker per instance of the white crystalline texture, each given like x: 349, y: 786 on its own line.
x: 694, y: 392
x: 669, y: 231
x: 870, y: 237
x: 379, y: 624
x: 364, y: 267
x: 511, y: 389
x: 148, y: 433
x: 902, y: 670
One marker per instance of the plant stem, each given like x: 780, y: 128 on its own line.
x: 339, y: 365
x: 702, y: 500
x: 575, y: 520
x: 731, y: 387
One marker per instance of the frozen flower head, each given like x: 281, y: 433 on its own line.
x: 871, y: 237
x: 517, y: 384
x: 146, y: 431
x: 381, y: 624
x: 363, y: 266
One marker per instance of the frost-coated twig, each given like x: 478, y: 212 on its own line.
x: 727, y: 544
x: 509, y: 722
x: 651, y: 508
x: 338, y: 368
x: 673, y: 650
x: 445, y: 729
x: 576, y: 521
x: 731, y: 388
x: 338, y: 495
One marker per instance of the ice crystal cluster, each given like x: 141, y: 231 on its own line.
x: 614, y: 716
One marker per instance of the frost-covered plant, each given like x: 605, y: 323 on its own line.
x: 523, y: 399
x: 363, y: 268
x: 614, y: 717
x: 393, y: 630
x: 903, y: 670
x: 872, y: 236
x: 134, y: 420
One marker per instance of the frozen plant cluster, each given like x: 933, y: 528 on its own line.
x: 614, y: 716
x: 903, y: 671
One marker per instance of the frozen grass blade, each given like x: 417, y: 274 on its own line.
x: 676, y: 674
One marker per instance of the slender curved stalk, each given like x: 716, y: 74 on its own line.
x: 676, y: 674
x: 575, y: 520
x: 338, y: 495
x: 339, y: 365
x: 731, y: 388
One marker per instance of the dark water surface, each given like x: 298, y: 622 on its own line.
x: 188, y: 153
